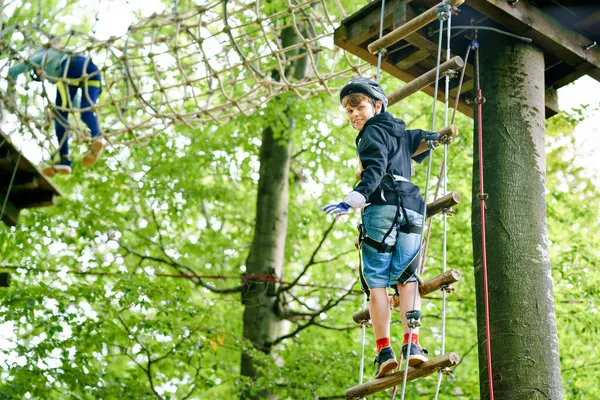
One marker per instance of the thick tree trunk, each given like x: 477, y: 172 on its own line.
x: 267, y: 251
x: 524, y: 341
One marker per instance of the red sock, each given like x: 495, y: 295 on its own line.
x: 383, y: 342
x: 414, y: 337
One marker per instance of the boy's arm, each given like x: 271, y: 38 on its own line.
x: 425, y: 140
x: 18, y: 69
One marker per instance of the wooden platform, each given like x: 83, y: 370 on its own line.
x: 427, y: 368
x: 560, y: 28
x: 29, y: 189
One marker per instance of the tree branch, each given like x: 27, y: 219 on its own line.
x: 330, y: 304
x: 310, y: 262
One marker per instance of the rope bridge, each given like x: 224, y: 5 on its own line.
x: 205, y: 65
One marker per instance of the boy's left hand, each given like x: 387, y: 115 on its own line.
x: 337, y: 209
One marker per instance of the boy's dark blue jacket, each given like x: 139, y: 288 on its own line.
x: 385, y: 147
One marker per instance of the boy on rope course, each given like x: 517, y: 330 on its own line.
x: 70, y: 73
x: 390, y: 232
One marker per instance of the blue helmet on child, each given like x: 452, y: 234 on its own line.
x: 365, y: 86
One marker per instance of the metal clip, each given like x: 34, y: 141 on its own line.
x: 447, y: 288
x: 586, y: 47
x: 449, y: 211
x: 446, y: 371
x: 443, y: 12
x: 480, y: 100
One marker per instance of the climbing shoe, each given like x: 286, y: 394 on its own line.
x: 417, y: 354
x: 386, y: 362
x: 63, y: 168
x: 94, y: 153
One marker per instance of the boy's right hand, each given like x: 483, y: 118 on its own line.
x: 337, y: 209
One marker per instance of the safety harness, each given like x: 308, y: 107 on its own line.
x: 404, y: 227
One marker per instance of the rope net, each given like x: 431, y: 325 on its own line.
x: 205, y: 65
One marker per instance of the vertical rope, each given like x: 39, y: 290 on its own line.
x: 362, y: 342
x: 444, y: 214
x: 380, y: 51
x: 424, y: 213
x: 482, y: 197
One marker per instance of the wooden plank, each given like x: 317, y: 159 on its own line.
x: 35, y: 199
x: 586, y: 22
x: 22, y: 181
x: 423, y: 43
x: 467, y: 86
x: 364, y: 24
x: 413, y: 59
x: 10, y: 216
x: 425, y: 369
x: 408, y: 28
x: 424, y: 80
x: 550, y: 102
x: 340, y: 40
x: 429, y: 286
x: 525, y: 19
x: 581, y: 70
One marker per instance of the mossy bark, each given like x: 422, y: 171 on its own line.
x: 524, y: 341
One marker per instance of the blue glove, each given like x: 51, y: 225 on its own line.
x: 337, y: 209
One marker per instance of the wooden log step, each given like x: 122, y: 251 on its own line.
x: 450, y: 131
x: 425, y: 369
x: 429, y: 286
x: 411, y: 26
x: 424, y: 80
x: 447, y: 201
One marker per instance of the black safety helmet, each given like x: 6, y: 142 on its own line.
x: 365, y: 86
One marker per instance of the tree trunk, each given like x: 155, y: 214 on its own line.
x: 524, y: 341
x: 267, y: 250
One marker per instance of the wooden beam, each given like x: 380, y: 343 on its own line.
x: 413, y: 59
x: 525, y: 19
x: 424, y: 80
x: 587, y: 21
x: 36, y: 199
x: 340, y: 40
x: 11, y: 213
x: 447, y: 201
x: 551, y: 102
x: 425, y: 369
x: 363, y: 25
x: 411, y: 26
x: 22, y: 181
x: 581, y: 70
x: 432, y: 285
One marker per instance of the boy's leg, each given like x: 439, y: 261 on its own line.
x: 91, y: 93
x: 379, y: 309
x: 407, y: 299
x: 376, y: 271
x: 404, y: 264
x: 61, y: 122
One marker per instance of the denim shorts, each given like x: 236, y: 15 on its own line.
x: 382, y: 270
